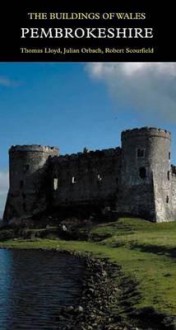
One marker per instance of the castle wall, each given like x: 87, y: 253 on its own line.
x: 27, y: 168
x: 161, y: 167
x: 86, y: 178
x: 146, y: 177
x: 136, y: 179
x: 174, y: 192
x: 137, y: 192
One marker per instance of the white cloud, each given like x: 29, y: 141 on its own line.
x: 4, y: 183
x: 150, y: 88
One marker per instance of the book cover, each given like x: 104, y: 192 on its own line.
x: 87, y: 174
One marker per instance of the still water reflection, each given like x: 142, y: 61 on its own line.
x: 33, y: 284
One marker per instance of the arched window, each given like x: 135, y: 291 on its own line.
x: 142, y: 172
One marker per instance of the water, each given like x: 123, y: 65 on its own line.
x: 33, y: 284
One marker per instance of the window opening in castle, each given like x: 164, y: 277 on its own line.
x: 21, y: 184
x: 142, y: 172
x: 140, y: 153
x: 168, y: 175
x: 167, y: 199
x: 73, y: 180
x: 55, y: 183
x: 169, y: 155
x: 99, y: 178
x: 26, y: 167
x: 24, y: 207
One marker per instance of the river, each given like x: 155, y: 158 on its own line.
x: 33, y: 285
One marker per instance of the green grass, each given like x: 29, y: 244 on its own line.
x: 146, y: 251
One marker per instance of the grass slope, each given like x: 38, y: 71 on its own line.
x: 146, y: 252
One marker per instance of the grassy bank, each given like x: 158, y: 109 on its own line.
x: 145, y: 251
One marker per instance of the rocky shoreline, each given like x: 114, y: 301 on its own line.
x: 101, y: 305
x: 107, y: 302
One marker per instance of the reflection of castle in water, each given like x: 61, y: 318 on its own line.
x: 136, y: 179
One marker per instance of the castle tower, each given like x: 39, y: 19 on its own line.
x: 146, y: 173
x: 27, y: 191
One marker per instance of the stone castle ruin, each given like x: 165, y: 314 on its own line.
x: 136, y: 179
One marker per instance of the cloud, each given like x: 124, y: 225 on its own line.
x: 149, y: 88
x: 7, y: 82
x: 4, y: 183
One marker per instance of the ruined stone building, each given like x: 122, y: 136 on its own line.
x: 135, y: 179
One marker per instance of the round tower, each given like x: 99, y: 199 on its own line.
x: 146, y: 173
x: 27, y: 171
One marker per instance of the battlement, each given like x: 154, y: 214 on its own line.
x: 92, y: 153
x: 34, y: 148
x: 146, y: 131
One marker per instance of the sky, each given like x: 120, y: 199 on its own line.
x: 77, y: 105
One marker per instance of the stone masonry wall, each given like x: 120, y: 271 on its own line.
x: 86, y: 178
x: 146, y: 179
x: 27, y: 193
x: 173, y: 178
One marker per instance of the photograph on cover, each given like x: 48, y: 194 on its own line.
x: 86, y: 169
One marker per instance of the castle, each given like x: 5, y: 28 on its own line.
x: 135, y: 179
